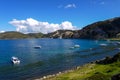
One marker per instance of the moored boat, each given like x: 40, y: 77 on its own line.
x: 37, y: 47
x: 76, y: 46
x: 103, y: 45
x: 15, y: 60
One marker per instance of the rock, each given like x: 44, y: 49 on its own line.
x: 116, y: 77
x: 109, y: 60
x: 44, y: 77
x: 99, y: 30
x: 61, y: 34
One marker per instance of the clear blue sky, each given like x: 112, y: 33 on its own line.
x: 79, y: 12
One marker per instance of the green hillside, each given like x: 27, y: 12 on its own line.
x: 18, y: 35
x: 12, y: 35
x: 99, y: 70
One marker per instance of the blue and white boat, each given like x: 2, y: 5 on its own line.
x: 15, y: 60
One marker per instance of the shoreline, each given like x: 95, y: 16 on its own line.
x: 63, y: 72
x: 47, y: 77
x: 89, y: 65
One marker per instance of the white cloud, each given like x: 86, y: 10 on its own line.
x: 2, y: 31
x: 70, y: 6
x: 33, y: 26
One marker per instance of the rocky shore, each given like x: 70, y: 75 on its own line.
x: 48, y: 77
x: 86, y: 69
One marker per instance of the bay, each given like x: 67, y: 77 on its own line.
x: 54, y: 55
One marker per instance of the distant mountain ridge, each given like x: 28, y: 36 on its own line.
x: 102, y: 29
x: 99, y: 30
x: 62, y: 34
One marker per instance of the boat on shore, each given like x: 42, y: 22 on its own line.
x: 15, y: 60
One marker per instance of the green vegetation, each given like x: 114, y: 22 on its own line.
x: 114, y: 39
x: 12, y: 35
x: 18, y: 35
x: 35, y: 35
x: 92, y: 71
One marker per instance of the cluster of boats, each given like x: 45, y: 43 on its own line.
x: 15, y: 60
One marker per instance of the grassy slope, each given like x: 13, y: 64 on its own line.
x: 114, y: 39
x: 90, y: 72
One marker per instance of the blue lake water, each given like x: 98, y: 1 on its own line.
x: 54, y: 56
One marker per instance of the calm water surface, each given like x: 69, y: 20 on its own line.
x: 54, y: 56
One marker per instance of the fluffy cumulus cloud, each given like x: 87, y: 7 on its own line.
x: 33, y: 26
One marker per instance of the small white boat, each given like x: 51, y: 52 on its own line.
x: 37, y: 47
x: 15, y: 60
x: 103, y: 45
x: 76, y: 46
